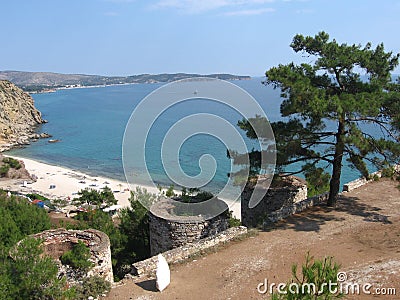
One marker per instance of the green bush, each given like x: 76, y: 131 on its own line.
x: 388, y: 172
x: 31, y: 274
x: 37, y: 196
x: 170, y: 191
x: 18, y: 219
x: 13, y: 163
x: 232, y: 221
x: 78, y: 257
x: 313, y: 282
x: 3, y: 170
x: 92, y: 286
x: 317, y: 181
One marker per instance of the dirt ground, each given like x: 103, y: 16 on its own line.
x: 362, y: 234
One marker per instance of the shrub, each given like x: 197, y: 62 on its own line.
x: 388, y: 172
x: 12, y: 163
x: 4, y: 170
x: 31, y: 274
x: 203, y: 196
x: 18, y: 219
x: 37, y: 196
x: 232, y: 221
x: 315, y: 277
x: 78, y: 257
x: 170, y: 191
x: 92, y: 286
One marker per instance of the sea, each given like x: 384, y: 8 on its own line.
x: 90, y: 124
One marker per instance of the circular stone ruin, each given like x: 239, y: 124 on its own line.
x: 58, y: 241
x: 280, y: 194
x: 174, y: 223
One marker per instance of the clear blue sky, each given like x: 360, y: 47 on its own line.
x: 126, y: 37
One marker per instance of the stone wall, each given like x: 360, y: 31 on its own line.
x: 361, y: 181
x: 182, y: 253
x: 297, y: 207
x: 280, y: 196
x: 169, y: 230
x: 57, y: 241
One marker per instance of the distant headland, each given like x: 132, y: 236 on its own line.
x: 36, y: 82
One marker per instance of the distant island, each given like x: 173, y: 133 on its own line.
x: 36, y: 82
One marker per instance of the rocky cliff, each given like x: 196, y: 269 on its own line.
x: 18, y: 116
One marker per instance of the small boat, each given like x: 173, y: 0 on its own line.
x: 54, y: 141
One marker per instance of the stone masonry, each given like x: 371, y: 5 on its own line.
x: 170, y: 229
x: 279, y: 195
x: 57, y: 241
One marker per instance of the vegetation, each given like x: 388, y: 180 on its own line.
x: 4, y: 170
x: 330, y: 107
x: 194, y: 195
x: 91, y: 286
x: 233, y: 221
x: 94, y: 198
x: 12, y: 163
x: 17, y: 220
x: 37, y: 196
x: 134, y: 229
x: 318, y: 280
x: 130, y: 238
x: 170, y: 191
x: 30, y: 275
x: 317, y: 181
x: 389, y: 172
x: 78, y: 257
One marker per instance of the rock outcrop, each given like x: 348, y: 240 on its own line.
x: 18, y: 116
x: 13, y: 169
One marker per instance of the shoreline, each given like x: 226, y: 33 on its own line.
x: 69, y: 182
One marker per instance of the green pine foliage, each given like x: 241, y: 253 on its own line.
x: 91, y: 286
x: 134, y: 227
x: 4, y: 170
x: 317, y: 181
x: 129, y: 236
x: 96, y: 199
x: 313, y: 281
x: 330, y: 103
x: 12, y: 163
x: 31, y: 275
x: 77, y: 257
x: 170, y: 191
x: 18, y: 219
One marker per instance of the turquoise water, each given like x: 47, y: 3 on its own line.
x: 90, y: 123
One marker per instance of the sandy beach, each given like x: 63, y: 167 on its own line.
x: 57, y: 182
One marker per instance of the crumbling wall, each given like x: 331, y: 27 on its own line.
x: 57, y: 241
x: 169, y: 230
x: 280, y: 195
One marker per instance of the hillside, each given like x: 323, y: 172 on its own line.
x: 18, y: 116
x: 40, y: 81
x: 362, y: 234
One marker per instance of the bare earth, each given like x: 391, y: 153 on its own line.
x: 362, y: 234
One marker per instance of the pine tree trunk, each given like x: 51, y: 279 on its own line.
x: 334, y: 184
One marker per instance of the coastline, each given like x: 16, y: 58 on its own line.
x: 69, y: 182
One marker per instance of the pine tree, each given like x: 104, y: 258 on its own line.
x: 342, y: 104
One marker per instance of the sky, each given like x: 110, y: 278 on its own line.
x: 128, y: 37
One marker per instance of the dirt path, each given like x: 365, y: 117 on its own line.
x: 363, y: 235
